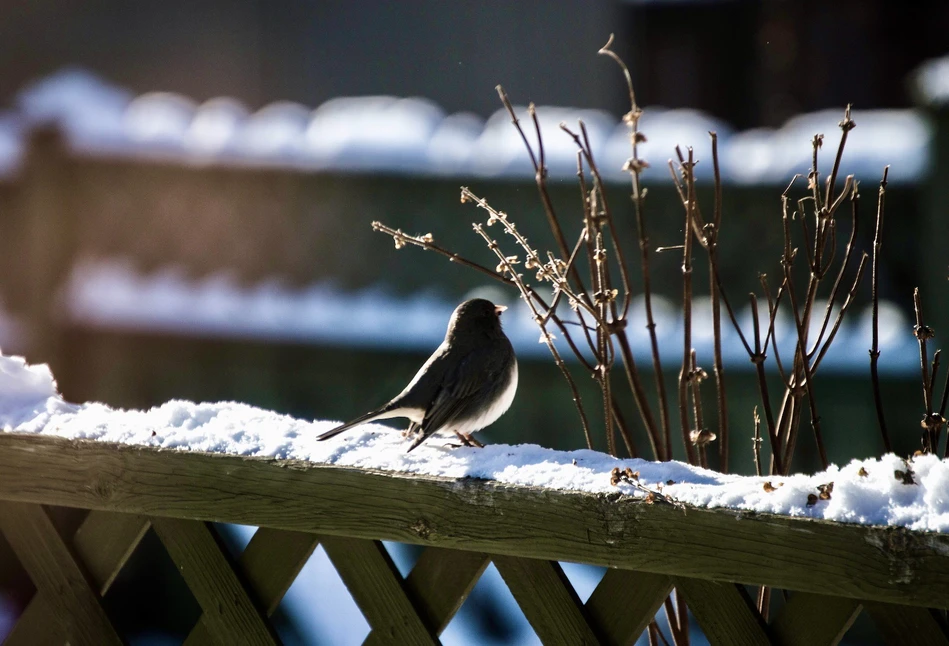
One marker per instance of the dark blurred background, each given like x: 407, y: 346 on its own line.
x: 749, y: 63
x: 185, y: 203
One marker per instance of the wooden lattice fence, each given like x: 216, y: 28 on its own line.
x: 834, y: 571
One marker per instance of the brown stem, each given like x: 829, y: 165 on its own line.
x: 635, y: 166
x: 687, y: 169
x: 718, y: 366
x: 875, y: 297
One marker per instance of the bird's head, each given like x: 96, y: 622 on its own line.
x: 478, y: 316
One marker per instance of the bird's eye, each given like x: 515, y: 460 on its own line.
x: 498, y: 309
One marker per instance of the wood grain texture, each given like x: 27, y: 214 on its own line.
x: 547, y: 599
x: 228, y: 611
x: 437, y: 586
x: 895, y: 565
x: 813, y: 620
x: 34, y: 625
x: 624, y: 603
x: 269, y: 564
x: 71, y: 600
x: 724, y: 611
x: 909, y: 626
x: 103, y: 542
x: 376, y: 586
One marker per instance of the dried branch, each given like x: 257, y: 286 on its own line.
x: 635, y: 166
x: 718, y: 366
x: 875, y: 347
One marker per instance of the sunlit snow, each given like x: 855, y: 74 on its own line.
x: 865, y: 491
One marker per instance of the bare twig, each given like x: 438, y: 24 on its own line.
x: 923, y: 333
x: 545, y: 335
x: 718, y: 366
x: 875, y: 347
x: 687, y: 168
x: 756, y: 442
x: 635, y: 166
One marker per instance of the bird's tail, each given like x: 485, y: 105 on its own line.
x: 368, y: 417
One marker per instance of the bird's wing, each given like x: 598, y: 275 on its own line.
x: 461, y: 390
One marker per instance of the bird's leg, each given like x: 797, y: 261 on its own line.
x: 467, y: 440
x: 411, y: 430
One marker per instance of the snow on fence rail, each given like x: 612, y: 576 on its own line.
x: 649, y: 548
x: 178, y: 467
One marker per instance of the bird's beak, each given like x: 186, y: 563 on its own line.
x: 499, y: 308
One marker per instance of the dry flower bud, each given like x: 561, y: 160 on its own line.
x: 399, y: 242
x: 670, y: 482
x: 768, y: 487
x: 811, y: 499
x: 427, y: 238
x: 906, y: 477
x: 702, y: 437
x: 923, y: 332
x: 862, y: 473
x: 632, y: 116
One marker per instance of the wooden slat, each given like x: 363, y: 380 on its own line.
x: 103, y: 542
x: 271, y: 562
x: 547, y: 599
x: 438, y: 585
x: 470, y: 514
x: 624, y: 603
x: 724, y: 612
x: 910, y: 626
x: 196, y: 550
x: 51, y: 566
x: 809, y: 619
x: 269, y: 565
x: 34, y: 625
x: 376, y: 586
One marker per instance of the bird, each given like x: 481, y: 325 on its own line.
x: 467, y: 384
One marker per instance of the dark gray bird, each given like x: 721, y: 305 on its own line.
x: 467, y: 383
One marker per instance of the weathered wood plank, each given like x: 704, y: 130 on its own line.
x: 269, y: 565
x: 809, y: 619
x: 271, y: 562
x: 610, y: 530
x: 547, y: 599
x: 34, y: 625
x: 724, y: 612
x: 438, y: 585
x: 104, y: 542
x: 196, y: 550
x: 51, y: 566
x: 624, y: 603
x: 376, y: 586
x: 908, y: 626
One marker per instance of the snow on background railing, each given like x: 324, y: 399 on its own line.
x: 113, y: 295
x: 414, y: 136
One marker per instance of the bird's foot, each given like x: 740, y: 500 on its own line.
x: 468, y: 440
x: 411, y: 430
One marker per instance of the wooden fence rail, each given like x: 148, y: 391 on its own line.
x: 832, y: 570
